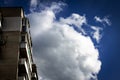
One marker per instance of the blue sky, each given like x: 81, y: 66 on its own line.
x: 108, y: 45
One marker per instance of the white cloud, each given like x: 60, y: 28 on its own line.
x: 75, y: 20
x: 98, y: 19
x: 96, y: 34
x: 104, y: 21
x: 56, y: 7
x: 107, y: 21
x: 41, y: 21
x: 61, y: 53
x: 33, y: 2
x: 33, y: 5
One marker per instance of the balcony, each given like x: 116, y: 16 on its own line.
x: 25, y: 22
x: 0, y: 24
x: 34, y: 72
x: 26, y: 53
x: 0, y: 20
x: 34, y: 69
x: 21, y: 78
x: 25, y: 27
x: 23, y: 68
x: 34, y: 76
x: 26, y: 34
x: 25, y: 42
x: 24, y: 50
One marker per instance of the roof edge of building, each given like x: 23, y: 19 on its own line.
x: 12, y: 11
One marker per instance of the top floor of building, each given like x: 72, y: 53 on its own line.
x: 11, y: 11
x: 13, y: 19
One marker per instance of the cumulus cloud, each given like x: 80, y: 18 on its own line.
x: 41, y: 22
x: 104, y: 21
x: 75, y: 20
x: 33, y: 4
x: 61, y: 53
x: 96, y: 34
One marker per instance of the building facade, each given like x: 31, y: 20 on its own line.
x: 16, y: 62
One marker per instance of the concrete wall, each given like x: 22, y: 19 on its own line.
x: 9, y: 56
x: 12, y: 24
x: 11, y: 11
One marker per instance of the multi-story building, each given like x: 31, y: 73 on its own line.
x: 16, y: 62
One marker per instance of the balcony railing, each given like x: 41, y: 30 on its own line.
x: 23, y: 63
x: 27, y: 36
x: 21, y: 78
x: 34, y: 69
x: 25, y: 22
x: 25, y: 52
x: 23, y: 45
x: 34, y: 72
x: 0, y: 24
x: 34, y: 76
x: 24, y: 67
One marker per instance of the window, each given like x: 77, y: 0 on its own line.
x: 25, y: 25
x: 23, y: 38
x: 24, y: 28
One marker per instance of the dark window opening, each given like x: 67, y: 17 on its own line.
x: 23, y: 38
x: 24, y: 29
